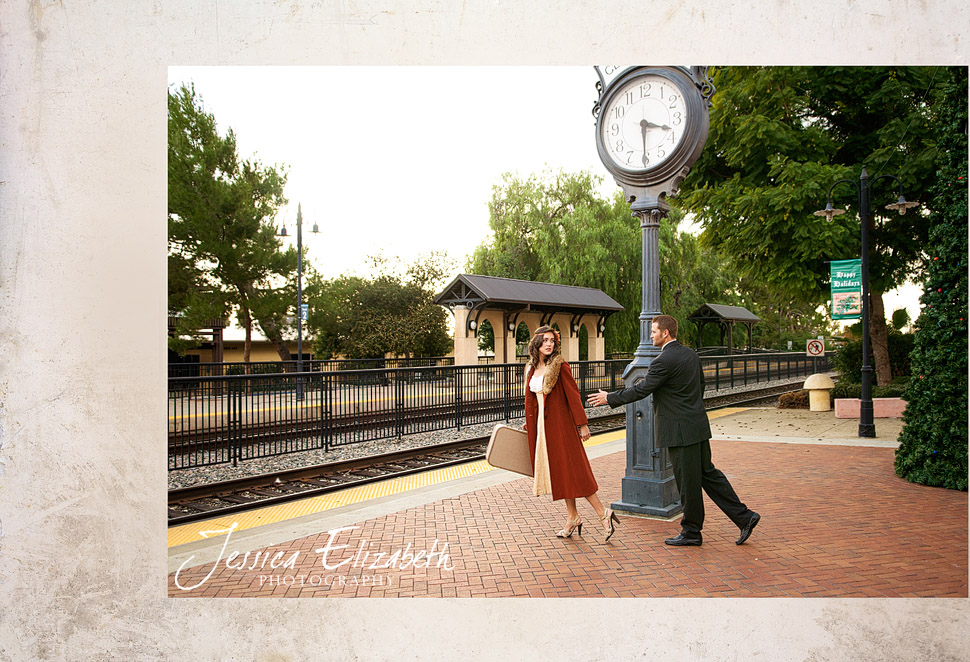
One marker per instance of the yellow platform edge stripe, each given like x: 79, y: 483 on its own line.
x: 180, y: 535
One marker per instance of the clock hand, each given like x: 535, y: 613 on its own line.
x: 643, y: 134
x: 654, y: 126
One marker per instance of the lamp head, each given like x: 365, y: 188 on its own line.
x: 829, y: 213
x: 901, y: 205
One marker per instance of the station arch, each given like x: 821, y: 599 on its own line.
x: 482, y: 333
x: 523, y: 335
x: 583, y: 342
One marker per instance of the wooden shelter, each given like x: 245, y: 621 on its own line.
x: 725, y: 317
x: 506, y: 302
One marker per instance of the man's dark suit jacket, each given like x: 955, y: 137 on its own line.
x: 676, y: 381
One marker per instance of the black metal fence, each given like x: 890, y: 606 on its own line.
x: 736, y: 370
x: 229, y: 418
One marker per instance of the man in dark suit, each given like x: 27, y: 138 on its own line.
x: 676, y: 381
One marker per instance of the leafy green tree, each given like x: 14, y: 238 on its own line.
x: 223, y: 251
x: 933, y: 443
x: 779, y: 138
x: 355, y: 317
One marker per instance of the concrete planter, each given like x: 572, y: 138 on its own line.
x: 881, y: 407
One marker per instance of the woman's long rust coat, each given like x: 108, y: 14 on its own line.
x: 569, y: 469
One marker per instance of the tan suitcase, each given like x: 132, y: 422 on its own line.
x: 508, y: 449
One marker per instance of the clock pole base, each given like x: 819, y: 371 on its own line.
x: 649, y: 496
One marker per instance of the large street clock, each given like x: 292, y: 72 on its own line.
x: 651, y: 124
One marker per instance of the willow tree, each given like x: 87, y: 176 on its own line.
x: 554, y: 228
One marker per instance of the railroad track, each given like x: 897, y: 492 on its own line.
x: 748, y: 398
x: 200, y: 502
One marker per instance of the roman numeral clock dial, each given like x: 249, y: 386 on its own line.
x: 643, y: 122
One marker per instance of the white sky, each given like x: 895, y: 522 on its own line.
x: 402, y: 160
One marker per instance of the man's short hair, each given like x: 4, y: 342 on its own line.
x: 666, y: 323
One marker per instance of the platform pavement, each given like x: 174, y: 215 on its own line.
x: 837, y: 522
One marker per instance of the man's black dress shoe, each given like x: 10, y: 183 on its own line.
x: 681, y: 541
x: 748, y: 528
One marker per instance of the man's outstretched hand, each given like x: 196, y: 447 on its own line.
x: 597, y: 399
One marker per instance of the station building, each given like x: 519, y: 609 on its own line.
x: 226, y: 342
x: 579, y: 313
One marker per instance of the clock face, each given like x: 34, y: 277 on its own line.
x: 643, y: 123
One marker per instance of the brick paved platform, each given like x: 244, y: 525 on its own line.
x: 836, y: 522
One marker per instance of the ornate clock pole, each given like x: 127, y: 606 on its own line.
x: 651, y: 125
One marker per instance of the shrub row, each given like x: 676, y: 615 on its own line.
x: 800, y: 399
x: 845, y: 389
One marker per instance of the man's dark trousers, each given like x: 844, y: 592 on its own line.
x: 694, y: 471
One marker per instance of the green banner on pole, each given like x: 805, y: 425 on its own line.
x: 846, y: 289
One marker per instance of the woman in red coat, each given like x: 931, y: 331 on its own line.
x: 556, y: 422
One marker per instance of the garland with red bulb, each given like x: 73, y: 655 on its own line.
x: 933, y: 442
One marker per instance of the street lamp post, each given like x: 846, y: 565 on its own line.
x: 779, y: 329
x: 867, y: 427
x: 299, y: 293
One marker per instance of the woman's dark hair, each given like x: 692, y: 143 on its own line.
x: 536, y: 342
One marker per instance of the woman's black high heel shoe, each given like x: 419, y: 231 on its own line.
x: 610, y: 519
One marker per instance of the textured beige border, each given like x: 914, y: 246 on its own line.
x: 82, y: 302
